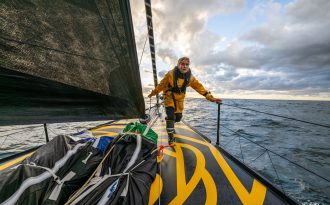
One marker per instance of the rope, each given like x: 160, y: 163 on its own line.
x: 149, y: 105
x: 257, y: 157
x: 21, y: 130
x: 285, y: 117
x: 298, y: 165
x: 278, y: 178
x: 240, y: 147
x: 145, y: 42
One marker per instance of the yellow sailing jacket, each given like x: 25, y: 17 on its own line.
x: 168, y: 82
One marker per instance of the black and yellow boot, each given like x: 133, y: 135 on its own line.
x: 170, y: 131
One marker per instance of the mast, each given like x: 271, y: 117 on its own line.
x: 147, y: 4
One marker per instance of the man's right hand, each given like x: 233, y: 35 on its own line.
x: 216, y: 100
x: 151, y: 94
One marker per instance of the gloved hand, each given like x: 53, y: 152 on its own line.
x: 213, y: 99
x: 151, y: 94
x: 216, y: 100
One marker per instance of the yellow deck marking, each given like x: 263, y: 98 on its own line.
x: 155, y: 189
x: 185, y: 127
x: 99, y: 131
x: 110, y: 127
x: 180, y: 173
x: 159, y: 158
x: 14, y: 161
x: 162, y: 140
x: 258, y: 191
x: 185, y: 189
x: 110, y: 134
x: 169, y: 153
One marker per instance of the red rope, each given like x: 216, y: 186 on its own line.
x: 161, y: 149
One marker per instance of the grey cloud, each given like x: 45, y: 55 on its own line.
x: 297, y: 48
x: 294, y: 44
x: 228, y: 74
x: 167, y: 55
x: 308, y: 11
x: 174, y: 18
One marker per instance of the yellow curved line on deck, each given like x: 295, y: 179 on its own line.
x: 109, y: 127
x: 258, y: 191
x: 14, y: 161
x: 184, y: 189
x: 185, y: 128
x: 169, y: 153
x: 110, y: 134
x: 155, y: 189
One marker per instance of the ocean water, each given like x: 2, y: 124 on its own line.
x: 245, y: 134
x: 304, y: 144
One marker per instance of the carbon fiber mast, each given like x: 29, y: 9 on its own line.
x: 147, y: 4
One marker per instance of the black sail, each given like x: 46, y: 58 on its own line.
x: 68, y: 60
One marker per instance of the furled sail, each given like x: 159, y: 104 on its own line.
x: 68, y: 60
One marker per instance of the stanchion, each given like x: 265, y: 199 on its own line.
x: 218, y: 125
x: 46, y: 133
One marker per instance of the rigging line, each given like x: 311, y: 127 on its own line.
x: 20, y: 130
x: 225, y: 145
x: 298, y: 165
x: 257, y: 157
x: 13, y: 138
x: 144, y: 46
x: 107, y: 31
x: 240, y: 147
x: 278, y: 178
x: 114, y: 26
x: 149, y: 106
x: 54, y: 49
x: 3, y: 142
x: 289, y: 118
x: 52, y: 131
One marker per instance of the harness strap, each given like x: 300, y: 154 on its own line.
x: 175, y: 88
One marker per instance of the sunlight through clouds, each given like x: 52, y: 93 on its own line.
x: 252, y: 48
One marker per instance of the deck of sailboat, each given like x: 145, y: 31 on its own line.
x: 194, y: 171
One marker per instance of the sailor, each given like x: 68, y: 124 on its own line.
x: 174, y: 86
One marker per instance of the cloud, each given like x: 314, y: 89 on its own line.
x: 295, y: 44
x: 288, y: 49
x: 167, y: 55
x: 180, y: 25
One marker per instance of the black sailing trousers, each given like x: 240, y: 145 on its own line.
x: 171, y: 115
x: 170, y: 119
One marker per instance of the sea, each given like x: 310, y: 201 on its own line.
x: 293, y: 155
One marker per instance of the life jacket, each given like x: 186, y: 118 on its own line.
x: 176, y: 75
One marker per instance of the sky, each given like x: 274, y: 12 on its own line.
x: 250, y: 49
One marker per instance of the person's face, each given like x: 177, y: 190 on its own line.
x: 184, y: 66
